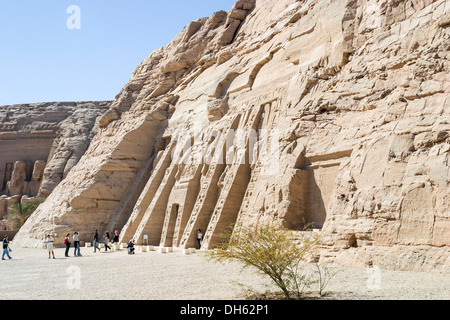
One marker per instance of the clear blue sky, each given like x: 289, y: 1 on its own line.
x: 42, y: 60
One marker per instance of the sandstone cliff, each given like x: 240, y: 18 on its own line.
x: 330, y: 113
x: 55, y: 134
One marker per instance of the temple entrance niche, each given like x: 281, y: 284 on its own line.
x: 173, y: 216
x: 8, y: 174
x: 316, y: 183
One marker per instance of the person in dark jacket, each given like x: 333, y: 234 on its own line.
x: 6, y: 248
x: 130, y: 247
x: 95, y: 241
x: 116, y: 237
x: 67, y: 243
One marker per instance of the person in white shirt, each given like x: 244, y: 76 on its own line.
x: 49, y: 242
x: 76, y: 245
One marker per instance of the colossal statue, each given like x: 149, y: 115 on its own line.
x: 18, y: 184
x: 18, y: 189
x: 36, y: 178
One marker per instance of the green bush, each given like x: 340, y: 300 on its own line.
x: 278, y: 253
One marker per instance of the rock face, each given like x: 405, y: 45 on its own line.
x: 333, y: 114
x: 74, y: 136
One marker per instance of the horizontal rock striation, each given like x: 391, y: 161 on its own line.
x: 330, y: 114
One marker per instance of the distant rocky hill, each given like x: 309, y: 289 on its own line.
x: 333, y: 114
x: 40, y: 143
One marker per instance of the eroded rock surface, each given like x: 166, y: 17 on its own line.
x: 40, y: 143
x: 328, y: 113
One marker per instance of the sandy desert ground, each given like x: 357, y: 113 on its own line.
x: 173, y: 276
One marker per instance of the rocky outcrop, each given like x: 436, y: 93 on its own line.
x: 40, y: 143
x: 331, y: 114
x: 74, y: 136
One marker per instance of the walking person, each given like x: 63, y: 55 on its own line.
x: 199, y: 238
x: 6, y: 248
x: 76, y: 245
x: 95, y: 241
x: 107, y: 237
x: 67, y: 243
x: 49, y: 242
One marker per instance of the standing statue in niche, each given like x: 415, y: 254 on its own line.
x: 17, y: 186
x: 18, y: 189
x: 36, y: 178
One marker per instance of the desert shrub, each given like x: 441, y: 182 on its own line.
x: 275, y: 252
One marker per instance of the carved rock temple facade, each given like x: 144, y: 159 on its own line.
x: 328, y: 113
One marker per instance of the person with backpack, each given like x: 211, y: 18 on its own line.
x: 6, y: 248
x: 67, y: 243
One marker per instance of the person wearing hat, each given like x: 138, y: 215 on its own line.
x: 67, y: 243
